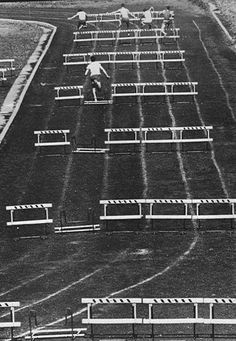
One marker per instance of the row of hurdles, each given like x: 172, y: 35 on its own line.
x: 124, y: 210
x: 126, y: 136
x: 158, y: 318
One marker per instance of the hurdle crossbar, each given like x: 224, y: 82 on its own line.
x: 14, y: 208
x: 60, y: 132
x: 127, y: 320
x: 157, y: 89
x: 191, y: 208
x: 135, y: 56
x: 140, y: 135
x: 118, y: 33
x: 59, y: 333
x: 76, y: 229
x: 8, y: 65
x: 75, y: 89
x: 12, y: 323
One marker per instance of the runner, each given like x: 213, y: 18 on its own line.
x: 147, y: 17
x: 82, y: 17
x: 94, y: 70
x: 167, y: 21
x: 125, y: 14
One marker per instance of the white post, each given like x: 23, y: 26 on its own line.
x: 105, y: 209
x: 12, y: 218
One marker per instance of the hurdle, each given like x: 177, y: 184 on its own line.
x: 3, y: 74
x: 172, y: 56
x: 140, y: 136
x: 133, y: 320
x: 42, y: 221
x: 74, y: 90
x: 8, y: 65
x: 136, y: 33
x: 59, y: 133
x: 154, y: 89
x: 54, y: 333
x: 92, y: 150
x: 131, y: 36
x: 184, y: 209
x: 195, y: 312
x: 12, y: 323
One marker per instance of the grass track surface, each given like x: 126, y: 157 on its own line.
x: 50, y: 275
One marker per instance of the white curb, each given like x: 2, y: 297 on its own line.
x: 8, y: 103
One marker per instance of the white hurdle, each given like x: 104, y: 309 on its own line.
x: 125, y: 35
x: 155, y: 89
x: 193, y: 311
x: 59, y: 133
x: 184, y: 209
x: 74, y: 90
x: 172, y: 56
x: 14, y: 208
x: 127, y: 320
x: 7, y: 65
x: 59, y: 333
x: 12, y: 323
x: 140, y: 135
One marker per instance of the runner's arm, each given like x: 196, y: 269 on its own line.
x: 102, y: 68
x: 73, y: 16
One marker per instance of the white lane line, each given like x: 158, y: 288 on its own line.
x: 213, y: 157
x: 218, y: 74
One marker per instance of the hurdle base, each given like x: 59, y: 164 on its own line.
x: 104, y: 102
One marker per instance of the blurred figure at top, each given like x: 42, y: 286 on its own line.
x: 82, y: 18
x: 167, y: 20
x: 125, y: 15
x: 147, y: 17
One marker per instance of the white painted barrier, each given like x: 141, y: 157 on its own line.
x: 134, y: 90
x: 43, y: 207
x: 7, y: 65
x: 140, y: 135
x: 77, y: 229
x: 76, y: 92
x: 91, y: 150
x: 171, y: 56
x: 191, y: 311
x: 59, y: 132
x: 124, y: 34
x: 59, y: 333
x: 135, y: 35
x: 11, y: 323
x: 154, y: 89
x: 187, y: 209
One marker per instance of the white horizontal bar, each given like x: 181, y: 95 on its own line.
x: 172, y: 300
x: 111, y: 300
x: 58, y: 330
x: 91, y: 150
x: 193, y: 217
x: 191, y: 128
x: 155, y: 94
x: 124, y: 31
x: 27, y: 206
x: 48, y: 132
x: 121, y: 53
x: 29, y: 222
x: 173, y: 321
x: 168, y: 201
x: 10, y: 324
x: 125, y: 38
x: 9, y: 304
x: 48, y: 144
x: 121, y: 217
x: 159, y: 141
x: 220, y: 321
x: 127, y: 61
x: 152, y: 83
x: 69, y: 97
x: 113, y: 321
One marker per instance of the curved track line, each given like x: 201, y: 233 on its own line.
x: 223, y: 185
x: 218, y: 74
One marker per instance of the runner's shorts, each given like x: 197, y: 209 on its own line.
x: 95, y: 78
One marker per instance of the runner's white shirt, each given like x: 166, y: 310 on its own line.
x: 94, y: 68
x: 147, y: 16
x: 82, y: 15
x: 124, y: 12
